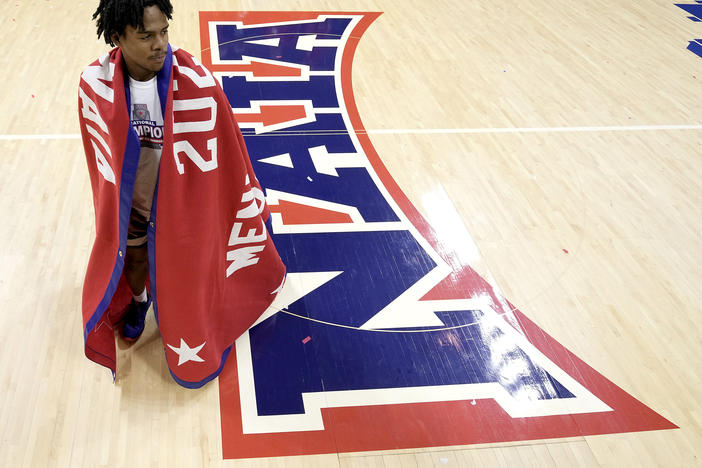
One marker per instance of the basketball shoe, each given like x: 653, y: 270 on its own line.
x: 134, y: 319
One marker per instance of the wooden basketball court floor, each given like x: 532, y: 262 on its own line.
x: 566, y: 135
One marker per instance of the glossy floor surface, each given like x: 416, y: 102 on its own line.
x: 490, y: 234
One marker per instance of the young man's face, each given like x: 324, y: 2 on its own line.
x: 144, y: 50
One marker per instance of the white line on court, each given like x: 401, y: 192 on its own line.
x: 426, y: 131
x: 53, y: 136
x: 438, y: 131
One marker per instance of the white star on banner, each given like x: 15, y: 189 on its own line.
x: 186, y: 353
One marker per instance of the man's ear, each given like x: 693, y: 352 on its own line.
x: 115, y: 38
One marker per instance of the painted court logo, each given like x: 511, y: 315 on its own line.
x: 381, y: 323
x: 695, y: 11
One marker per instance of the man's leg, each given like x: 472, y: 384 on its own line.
x: 136, y: 268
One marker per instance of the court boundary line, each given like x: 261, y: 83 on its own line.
x: 425, y: 131
x: 622, y: 128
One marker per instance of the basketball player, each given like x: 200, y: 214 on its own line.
x: 140, y: 29
x: 176, y: 200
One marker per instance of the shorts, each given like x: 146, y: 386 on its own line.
x: 136, y: 232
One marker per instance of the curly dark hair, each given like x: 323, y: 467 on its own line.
x: 113, y: 16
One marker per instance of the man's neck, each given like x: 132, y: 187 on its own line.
x: 141, y: 77
x: 138, y: 73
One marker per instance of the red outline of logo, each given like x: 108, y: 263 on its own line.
x: 364, y: 428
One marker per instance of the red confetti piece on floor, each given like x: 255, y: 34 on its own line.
x: 565, y: 250
x: 33, y: 96
x: 306, y: 340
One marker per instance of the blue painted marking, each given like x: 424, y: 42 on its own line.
x: 695, y: 47
x: 319, y: 89
x: 370, y: 265
x: 694, y: 9
x: 342, y: 359
x: 232, y: 45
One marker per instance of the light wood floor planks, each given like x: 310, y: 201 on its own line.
x: 626, y: 206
